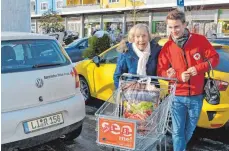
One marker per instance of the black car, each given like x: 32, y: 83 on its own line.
x: 65, y: 37
x: 70, y: 36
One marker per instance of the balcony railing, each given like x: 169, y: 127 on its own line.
x: 163, y: 3
x: 160, y: 3
x: 80, y: 7
x: 32, y: 12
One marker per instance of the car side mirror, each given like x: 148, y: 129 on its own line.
x: 96, y: 60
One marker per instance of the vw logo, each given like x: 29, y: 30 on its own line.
x: 39, y: 82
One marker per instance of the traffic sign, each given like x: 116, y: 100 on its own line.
x: 180, y: 2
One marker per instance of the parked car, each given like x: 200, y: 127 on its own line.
x: 75, y: 35
x: 211, y: 34
x: 76, y: 48
x: 96, y: 80
x: 222, y: 35
x: 65, y: 37
x: 41, y: 99
x: 223, y: 41
x: 70, y: 36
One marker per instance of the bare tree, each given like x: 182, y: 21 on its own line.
x: 51, y: 21
x: 135, y: 11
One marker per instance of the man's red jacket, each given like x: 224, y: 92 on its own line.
x: 195, y: 52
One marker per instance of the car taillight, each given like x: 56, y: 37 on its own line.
x: 76, y: 78
x: 222, y: 85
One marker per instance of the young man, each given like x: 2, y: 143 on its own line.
x: 184, y: 57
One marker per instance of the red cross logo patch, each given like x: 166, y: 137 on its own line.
x: 196, y: 56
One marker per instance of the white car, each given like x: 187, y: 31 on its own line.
x: 40, y: 98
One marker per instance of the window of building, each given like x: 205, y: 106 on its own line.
x: 113, y: 1
x: 33, y: 27
x: 59, y: 4
x: 44, y: 6
x: 32, y: 6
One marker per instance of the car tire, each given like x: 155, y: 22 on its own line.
x: 84, y: 89
x: 72, y: 135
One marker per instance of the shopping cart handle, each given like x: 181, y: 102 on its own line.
x: 129, y: 75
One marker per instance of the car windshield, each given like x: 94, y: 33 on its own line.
x: 74, y: 43
x: 24, y: 55
x: 224, y: 59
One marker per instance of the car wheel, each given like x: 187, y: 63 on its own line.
x: 72, y: 135
x: 84, y: 88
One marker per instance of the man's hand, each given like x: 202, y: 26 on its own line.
x: 192, y: 71
x: 171, y: 72
x: 185, y: 76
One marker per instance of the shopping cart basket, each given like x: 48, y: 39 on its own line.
x: 135, y: 117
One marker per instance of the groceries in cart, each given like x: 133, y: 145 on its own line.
x: 138, y: 111
x: 139, y: 100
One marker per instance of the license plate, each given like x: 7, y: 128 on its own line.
x: 43, y: 122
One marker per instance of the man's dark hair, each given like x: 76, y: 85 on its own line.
x: 176, y: 15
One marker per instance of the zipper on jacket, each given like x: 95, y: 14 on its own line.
x: 189, y: 82
x: 186, y: 61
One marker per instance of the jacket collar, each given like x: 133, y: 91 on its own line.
x: 189, y: 35
x: 153, y: 44
x: 131, y: 52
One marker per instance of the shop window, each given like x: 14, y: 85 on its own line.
x: 59, y: 4
x: 161, y: 27
x: 33, y: 27
x: 113, y: 1
x: 44, y: 6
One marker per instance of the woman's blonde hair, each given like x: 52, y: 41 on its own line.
x: 122, y: 46
x: 136, y: 27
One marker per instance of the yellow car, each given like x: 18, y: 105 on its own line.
x: 96, y: 80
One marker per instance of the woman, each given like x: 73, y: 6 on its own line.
x: 139, y: 56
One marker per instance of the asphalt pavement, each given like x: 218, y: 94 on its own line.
x: 207, y: 140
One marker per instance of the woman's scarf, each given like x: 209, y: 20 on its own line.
x: 143, y: 58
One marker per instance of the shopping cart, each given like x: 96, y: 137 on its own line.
x: 136, y: 116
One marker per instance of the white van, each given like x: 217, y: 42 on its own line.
x: 40, y: 98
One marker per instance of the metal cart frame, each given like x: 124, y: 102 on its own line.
x: 155, y: 126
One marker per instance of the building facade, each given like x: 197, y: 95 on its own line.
x: 85, y: 16
x: 38, y: 7
x: 15, y: 15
